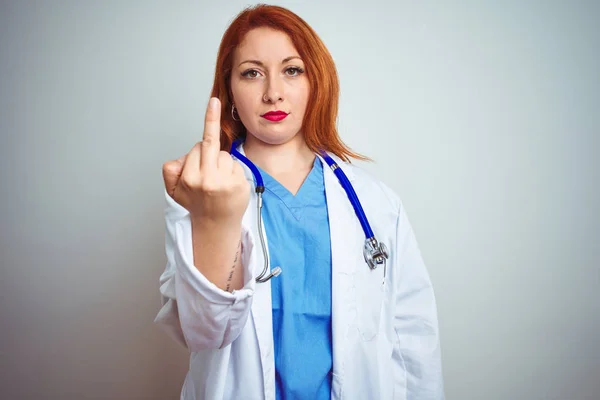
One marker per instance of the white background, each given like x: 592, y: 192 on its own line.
x: 484, y: 116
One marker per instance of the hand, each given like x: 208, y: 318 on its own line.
x: 207, y: 181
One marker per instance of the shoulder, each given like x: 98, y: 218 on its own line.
x: 372, y: 188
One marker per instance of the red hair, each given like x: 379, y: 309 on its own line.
x: 319, y: 123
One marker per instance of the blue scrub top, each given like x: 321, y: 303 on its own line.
x: 297, y: 228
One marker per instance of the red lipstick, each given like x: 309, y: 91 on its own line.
x: 275, y: 116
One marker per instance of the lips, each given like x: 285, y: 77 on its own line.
x: 275, y: 115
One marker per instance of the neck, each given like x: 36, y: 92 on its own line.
x: 280, y: 159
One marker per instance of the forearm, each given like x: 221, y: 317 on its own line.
x: 217, y: 253
x: 195, y: 312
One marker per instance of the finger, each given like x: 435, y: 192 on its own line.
x: 191, y: 165
x: 177, y: 165
x: 171, y: 173
x: 211, y: 144
x: 181, y: 160
x: 238, y: 170
x: 224, y: 161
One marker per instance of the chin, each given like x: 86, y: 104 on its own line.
x: 275, y: 140
x: 274, y: 137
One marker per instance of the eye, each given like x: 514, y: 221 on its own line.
x: 251, y: 73
x: 294, y: 71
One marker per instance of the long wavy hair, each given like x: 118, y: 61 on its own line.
x: 319, y: 123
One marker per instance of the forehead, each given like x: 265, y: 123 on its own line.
x: 265, y: 44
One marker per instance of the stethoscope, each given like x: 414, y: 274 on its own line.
x: 374, y: 252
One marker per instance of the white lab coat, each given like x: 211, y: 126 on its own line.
x: 385, y: 336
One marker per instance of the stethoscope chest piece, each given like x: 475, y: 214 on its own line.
x: 375, y: 253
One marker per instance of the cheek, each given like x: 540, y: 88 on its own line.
x: 237, y: 92
x: 304, y: 92
x: 303, y: 97
x: 299, y: 94
x: 243, y: 97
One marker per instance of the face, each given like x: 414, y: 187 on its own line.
x: 269, y: 86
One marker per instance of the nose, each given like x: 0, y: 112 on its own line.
x: 274, y: 90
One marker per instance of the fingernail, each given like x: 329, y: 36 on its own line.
x: 212, y: 103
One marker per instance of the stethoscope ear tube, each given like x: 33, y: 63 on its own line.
x: 248, y: 163
x: 360, y: 213
x: 261, y: 278
x: 374, y: 252
x: 260, y: 188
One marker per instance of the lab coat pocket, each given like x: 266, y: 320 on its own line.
x: 370, y: 291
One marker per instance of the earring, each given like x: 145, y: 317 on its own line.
x: 232, y: 112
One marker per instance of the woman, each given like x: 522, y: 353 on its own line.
x: 329, y: 326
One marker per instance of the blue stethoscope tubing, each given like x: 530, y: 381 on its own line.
x: 374, y: 252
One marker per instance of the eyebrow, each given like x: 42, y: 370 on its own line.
x: 257, y: 62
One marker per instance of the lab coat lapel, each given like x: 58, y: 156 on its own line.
x: 345, y: 238
x: 262, y: 311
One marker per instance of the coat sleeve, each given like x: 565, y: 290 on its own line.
x: 415, y: 320
x: 195, y: 312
